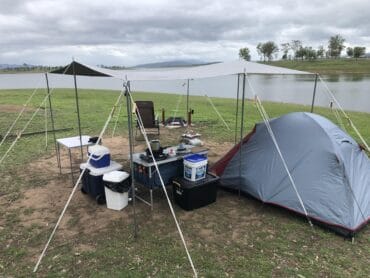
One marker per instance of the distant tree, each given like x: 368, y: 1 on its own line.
x: 259, y: 51
x: 320, y: 53
x: 267, y: 50
x: 359, y: 51
x: 336, y: 45
x: 244, y: 53
x: 300, y: 53
x: 285, y: 47
x: 311, y: 53
x: 349, y: 51
x: 295, y: 45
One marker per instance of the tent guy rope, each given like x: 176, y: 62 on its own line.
x: 345, y: 114
x: 75, y: 186
x: 217, y: 112
x: 20, y: 113
x: 265, y: 118
x: 141, y: 125
x: 29, y: 121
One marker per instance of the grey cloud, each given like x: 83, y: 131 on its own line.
x: 41, y: 27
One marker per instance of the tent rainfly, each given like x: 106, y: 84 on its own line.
x: 331, y: 171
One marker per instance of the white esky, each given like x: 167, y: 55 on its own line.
x: 124, y: 32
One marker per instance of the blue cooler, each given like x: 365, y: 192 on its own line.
x: 99, y: 156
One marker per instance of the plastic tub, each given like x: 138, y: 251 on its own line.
x: 116, y: 189
x: 99, y: 156
x: 195, y: 167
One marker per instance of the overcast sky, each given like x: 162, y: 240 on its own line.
x: 124, y: 32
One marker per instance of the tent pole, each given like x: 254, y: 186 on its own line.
x: 237, y: 109
x: 46, y: 125
x: 187, y: 97
x: 130, y: 136
x: 78, y: 110
x: 314, y: 93
x: 241, y: 132
x: 52, y: 118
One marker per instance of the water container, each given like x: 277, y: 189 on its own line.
x: 195, y: 167
x: 100, y: 156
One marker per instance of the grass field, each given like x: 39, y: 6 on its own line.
x: 327, y: 66
x: 234, y: 237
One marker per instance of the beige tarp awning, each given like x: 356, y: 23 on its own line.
x: 194, y: 72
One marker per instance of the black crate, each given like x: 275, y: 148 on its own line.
x: 191, y: 195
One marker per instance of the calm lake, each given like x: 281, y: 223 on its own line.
x: 352, y: 91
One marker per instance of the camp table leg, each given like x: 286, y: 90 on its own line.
x: 151, y: 198
x: 58, y: 158
x: 70, y: 161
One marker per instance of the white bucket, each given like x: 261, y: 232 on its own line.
x: 115, y: 200
x: 195, y: 167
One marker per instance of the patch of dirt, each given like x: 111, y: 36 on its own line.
x: 42, y: 202
x: 13, y: 108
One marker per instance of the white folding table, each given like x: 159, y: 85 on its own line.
x: 70, y: 143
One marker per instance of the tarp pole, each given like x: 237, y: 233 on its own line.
x: 241, y: 132
x: 130, y: 139
x: 46, y: 124
x: 78, y: 110
x: 314, y: 93
x: 237, y: 109
x: 52, y: 118
x: 187, y: 96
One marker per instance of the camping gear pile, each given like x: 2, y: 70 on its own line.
x: 196, y: 188
x: 102, y: 180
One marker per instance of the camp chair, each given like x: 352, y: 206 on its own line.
x: 146, y: 109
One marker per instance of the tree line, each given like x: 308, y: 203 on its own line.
x: 296, y: 50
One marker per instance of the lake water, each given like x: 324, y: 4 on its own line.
x: 352, y: 91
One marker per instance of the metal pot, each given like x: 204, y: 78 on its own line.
x: 155, y: 145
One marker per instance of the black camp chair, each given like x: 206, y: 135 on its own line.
x: 146, y: 110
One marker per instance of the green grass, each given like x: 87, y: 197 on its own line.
x: 234, y: 237
x: 327, y: 66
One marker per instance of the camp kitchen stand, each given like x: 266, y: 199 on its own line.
x: 145, y: 173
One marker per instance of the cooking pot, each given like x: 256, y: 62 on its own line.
x: 155, y: 145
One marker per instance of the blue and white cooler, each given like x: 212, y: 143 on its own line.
x: 195, y: 167
x: 99, y: 156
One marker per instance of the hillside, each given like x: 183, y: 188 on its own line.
x: 327, y: 66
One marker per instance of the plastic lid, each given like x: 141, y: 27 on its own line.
x: 114, y: 166
x: 115, y: 176
x: 194, y: 158
x: 98, y: 150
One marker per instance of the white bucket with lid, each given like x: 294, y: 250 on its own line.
x: 115, y: 200
x: 195, y: 167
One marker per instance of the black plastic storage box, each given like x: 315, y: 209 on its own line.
x: 191, y: 195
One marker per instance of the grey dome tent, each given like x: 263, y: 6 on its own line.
x: 330, y: 170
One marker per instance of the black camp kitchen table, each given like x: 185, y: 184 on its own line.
x: 145, y: 173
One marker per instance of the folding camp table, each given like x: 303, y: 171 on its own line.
x: 146, y: 175
x: 70, y: 143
